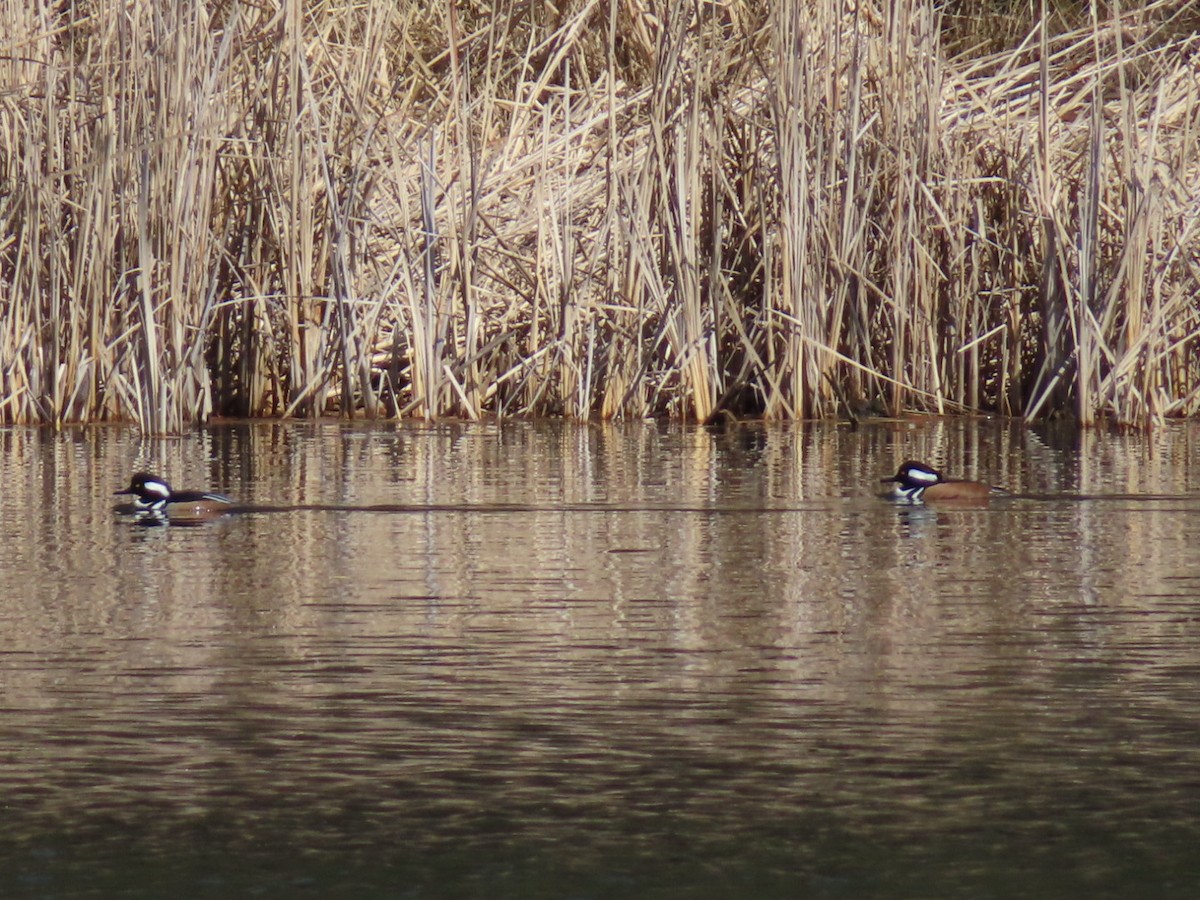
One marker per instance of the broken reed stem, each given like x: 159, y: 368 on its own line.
x: 585, y: 209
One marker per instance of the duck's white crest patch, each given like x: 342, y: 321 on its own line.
x: 157, y: 488
x: 922, y: 475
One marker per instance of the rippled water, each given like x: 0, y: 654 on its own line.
x: 546, y: 660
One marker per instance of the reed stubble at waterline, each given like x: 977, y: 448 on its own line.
x: 586, y: 209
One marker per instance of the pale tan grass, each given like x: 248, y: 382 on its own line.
x: 597, y: 208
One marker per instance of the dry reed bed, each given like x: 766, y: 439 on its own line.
x: 614, y: 209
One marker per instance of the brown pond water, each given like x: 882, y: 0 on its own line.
x: 546, y: 660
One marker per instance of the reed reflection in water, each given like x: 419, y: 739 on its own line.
x: 583, y: 661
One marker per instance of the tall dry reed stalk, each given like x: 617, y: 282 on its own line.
x: 618, y: 208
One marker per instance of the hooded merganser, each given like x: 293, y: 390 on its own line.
x: 154, y: 502
x: 916, y: 482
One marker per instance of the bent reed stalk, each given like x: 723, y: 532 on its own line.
x: 613, y: 208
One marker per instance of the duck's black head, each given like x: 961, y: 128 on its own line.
x: 149, y: 490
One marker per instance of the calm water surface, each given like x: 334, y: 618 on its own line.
x: 545, y: 660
